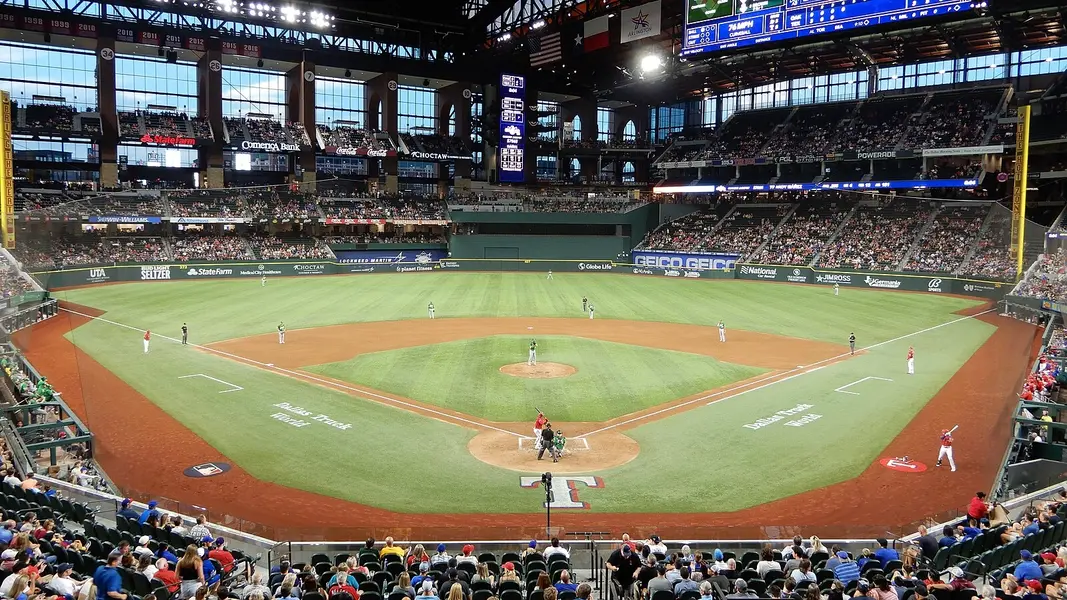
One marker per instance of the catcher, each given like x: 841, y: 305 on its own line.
x: 559, y: 441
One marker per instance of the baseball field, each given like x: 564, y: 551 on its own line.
x: 372, y: 416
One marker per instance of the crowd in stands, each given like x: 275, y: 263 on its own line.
x: 129, y: 125
x: 992, y: 256
x: 269, y: 130
x: 274, y: 204
x: 953, y: 120
x: 453, y: 145
x: 12, y: 283
x: 383, y: 207
x: 49, y: 117
x: 810, y: 131
x: 876, y: 237
x: 89, y: 250
x: 200, y: 203
x: 201, y: 128
x: 342, y: 136
x: 388, y: 237
x: 278, y: 248
x: 1047, y: 279
x: 210, y: 247
x: 947, y: 170
x: 125, y: 205
x: 804, y: 234
x: 879, y: 124
x: 951, y: 235
x: 166, y: 123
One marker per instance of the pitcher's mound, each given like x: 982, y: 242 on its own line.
x: 546, y: 370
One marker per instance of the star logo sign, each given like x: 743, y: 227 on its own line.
x: 640, y: 21
x: 578, y: 40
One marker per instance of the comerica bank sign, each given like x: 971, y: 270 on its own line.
x: 679, y: 260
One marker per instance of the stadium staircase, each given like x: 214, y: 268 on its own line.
x: 835, y: 235
x: 915, y: 242
x: 916, y: 119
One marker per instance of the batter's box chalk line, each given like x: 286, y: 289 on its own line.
x: 233, y: 388
x: 575, y: 443
x: 843, y: 389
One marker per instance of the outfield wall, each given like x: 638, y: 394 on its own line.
x: 993, y: 290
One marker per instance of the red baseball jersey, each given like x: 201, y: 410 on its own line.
x: 946, y: 439
x: 911, y: 354
x: 540, y: 422
x: 147, y: 335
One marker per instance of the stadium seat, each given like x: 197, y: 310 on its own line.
x: 824, y: 574
x: 772, y: 575
x: 510, y: 557
x: 322, y: 566
x: 319, y: 557
x: 508, y: 594
x: 536, y: 595
x: 396, y: 568
x: 748, y: 574
x: 509, y: 586
x: 486, y: 557
x: 370, y: 586
x: 398, y: 595
x: 819, y: 557
x: 467, y: 568
x: 368, y: 596
x: 758, y: 586
x: 749, y: 557
x: 660, y: 595
x: 382, y: 578
x: 691, y: 595
x: 482, y: 594
x: 567, y: 596
x: 340, y: 558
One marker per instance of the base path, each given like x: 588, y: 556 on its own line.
x: 125, y: 424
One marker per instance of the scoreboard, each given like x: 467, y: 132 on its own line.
x: 712, y: 25
x: 510, y: 161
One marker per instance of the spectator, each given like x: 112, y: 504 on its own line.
x: 107, y: 580
x: 766, y: 562
x: 741, y: 590
x: 1027, y: 568
x: 555, y: 548
x: 685, y: 584
x: 190, y: 571
x: 564, y: 584
x: 884, y: 553
x: 803, y: 572
x: 848, y: 570
x: 390, y: 550
x: 882, y: 589
x: 623, y: 564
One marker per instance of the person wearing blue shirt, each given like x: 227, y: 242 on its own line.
x: 971, y: 530
x: 7, y: 533
x: 107, y: 579
x: 148, y: 513
x: 1027, y: 569
x: 1031, y: 527
x: 884, y: 553
x: 164, y: 552
x: 128, y: 512
x: 846, y: 570
x: 948, y: 537
x: 210, y: 575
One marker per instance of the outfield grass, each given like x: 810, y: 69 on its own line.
x: 744, y: 467
x: 612, y: 379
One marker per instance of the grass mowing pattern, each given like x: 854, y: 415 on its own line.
x: 612, y: 379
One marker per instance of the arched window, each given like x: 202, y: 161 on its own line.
x: 629, y: 131
x: 628, y: 173
x: 576, y: 122
x: 452, y: 120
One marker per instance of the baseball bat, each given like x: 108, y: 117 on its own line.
x: 954, y: 428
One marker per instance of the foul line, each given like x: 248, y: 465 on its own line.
x: 236, y: 388
x: 848, y: 385
x: 301, y: 375
x: 797, y: 372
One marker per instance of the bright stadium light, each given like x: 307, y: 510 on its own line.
x: 319, y: 19
x: 290, y: 14
x: 228, y: 6
x: 651, y: 62
x: 537, y: 25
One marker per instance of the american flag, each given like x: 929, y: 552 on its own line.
x: 545, y: 49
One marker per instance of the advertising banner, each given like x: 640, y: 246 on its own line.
x: 370, y: 257
x: 774, y: 273
x: 681, y: 260
x: 123, y: 219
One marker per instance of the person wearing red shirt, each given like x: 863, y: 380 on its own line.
x: 911, y: 360
x: 221, y: 554
x: 147, y: 338
x: 539, y: 424
x: 166, y: 576
x: 343, y: 587
x: 946, y: 449
x: 978, y: 509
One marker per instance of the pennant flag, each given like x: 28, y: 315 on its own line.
x: 641, y: 22
x: 545, y: 50
x: 596, y: 34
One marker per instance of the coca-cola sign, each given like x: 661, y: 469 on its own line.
x: 167, y: 140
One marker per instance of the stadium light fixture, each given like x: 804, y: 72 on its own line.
x: 650, y: 63
x: 537, y: 25
x: 290, y: 14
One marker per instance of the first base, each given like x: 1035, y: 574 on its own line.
x: 529, y: 328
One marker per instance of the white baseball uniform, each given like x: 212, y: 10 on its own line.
x: 946, y: 451
x: 911, y: 362
x: 590, y: 311
x: 147, y: 337
x: 722, y: 332
x: 429, y: 309
x: 263, y: 281
x: 836, y: 289
x: 281, y: 334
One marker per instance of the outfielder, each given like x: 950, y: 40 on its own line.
x: 429, y: 309
x: 837, y: 289
x: 946, y: 449
x: 585, y: 302
x: 591, y: 309
x: 263, y: 281
x: 531, y: 360
x: 852, y: 343
x: 722, y: 331
x: 281, y: 333
x: 550, y: 274
x: 185, y: 334
x: 147, y: 338
x: 911, y: 360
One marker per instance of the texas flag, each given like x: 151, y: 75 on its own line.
x: 596, y: 34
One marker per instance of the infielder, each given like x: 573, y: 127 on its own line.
x: 539, y: 424
x: 429, y: 309
x: 911, y: 360
x: 837, y: 289
x: 946, y: 449
x: 585, y: 302
x: 147, y: 338
x: 281, y: 333
x: 531, y: 360
x: 185, y: 334
x: 263, y: 281
x: 591, y: 309
x: 722, y: 331
x: 852, y: 343
x: 550, y: 274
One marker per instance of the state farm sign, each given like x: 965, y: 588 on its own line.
x: 167, y: 140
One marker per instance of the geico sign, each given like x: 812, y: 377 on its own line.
x: 594, y: 266
x: 270, y: 146
x: 688, y: 262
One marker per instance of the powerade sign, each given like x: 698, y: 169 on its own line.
x: 678, y: 260
x: 379, y: 257
x: 512, y: 128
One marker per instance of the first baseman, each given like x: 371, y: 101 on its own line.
x: 722, y: 331
x: 147, y: 338
x: 911, y: 360
x: 531, y: 360
x: 852, y: 343
x: 429, y: 309
x: 281, y: 333
x: 585, y: 302
x: 946, y: 449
